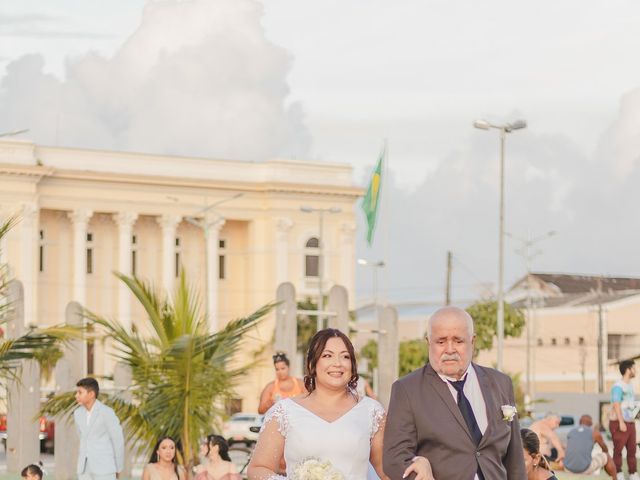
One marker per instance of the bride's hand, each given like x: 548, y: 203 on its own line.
x: 421, y: 467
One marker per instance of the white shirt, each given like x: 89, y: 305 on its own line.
x: 474, y: 395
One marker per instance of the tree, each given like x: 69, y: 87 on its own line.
x: 413, y: 354
x: 484, y: 314
x: 40, y: 344
x: 181, y: 373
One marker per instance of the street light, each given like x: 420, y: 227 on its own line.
x: 375, y: 266
x: 320, y: 212
x: 504, y: 129
x: 13, y: 133
x: 528, y: 254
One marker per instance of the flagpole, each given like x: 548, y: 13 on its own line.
x: 385, y: 223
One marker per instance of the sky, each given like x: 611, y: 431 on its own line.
x: 332, y: 80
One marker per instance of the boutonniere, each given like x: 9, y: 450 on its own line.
x: 508, y: 412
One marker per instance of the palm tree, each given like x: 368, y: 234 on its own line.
x: 181, y: 373
x: 40, y: 344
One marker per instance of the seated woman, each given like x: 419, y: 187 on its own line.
x: 536, y: 464
x: 219, y: 465
x: 162, y: 465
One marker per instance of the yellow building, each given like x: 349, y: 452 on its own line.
x: 236, y: 228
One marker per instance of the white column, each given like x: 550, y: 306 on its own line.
x: 347, y: 259
x: 80, y: 220
x: 125, y: 221
x: 28, y: 275
x: 283, y: 226
x: 212, y: 239
x: 168, y: 223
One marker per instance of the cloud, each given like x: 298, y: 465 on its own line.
x: 196, y: 78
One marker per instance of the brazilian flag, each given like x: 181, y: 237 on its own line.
x: 371, y: 199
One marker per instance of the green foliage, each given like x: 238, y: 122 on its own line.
x: 484, y: 316
x: 519, y: 393
x: 307, y: 324
x: 413, y: 354
x: 181, y: 373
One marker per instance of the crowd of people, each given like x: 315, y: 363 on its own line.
x: 452, y: 418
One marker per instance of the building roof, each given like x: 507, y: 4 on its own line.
x: 568, y: 284
x: 577, y: 299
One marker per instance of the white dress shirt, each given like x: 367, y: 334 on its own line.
x: 474, y: 395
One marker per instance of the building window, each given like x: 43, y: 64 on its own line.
x: 614, y: 343
x: 89, y: 253
x: 177, y: 262
x: 134, y: 262
x: 90, y: 352
x: 567, y: 341
x: 540, y: 342
x: 41, y: 252
x: 312, y: 258
x: 554, y: 341
x: 221, y: 261
x: 580, y: 340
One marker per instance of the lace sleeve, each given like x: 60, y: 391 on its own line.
x: 278, y: 413
x: 377, y: 417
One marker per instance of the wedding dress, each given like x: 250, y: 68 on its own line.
x: 345, y: 442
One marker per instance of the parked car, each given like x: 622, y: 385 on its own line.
x: 237, y: 428
x: 46, y: 433
x: 567, y: 423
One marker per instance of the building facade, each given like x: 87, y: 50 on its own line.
x: 236, y: 229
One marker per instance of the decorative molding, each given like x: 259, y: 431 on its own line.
x: 169, y: 221
x: 125, y: 219
x: 80, y: 216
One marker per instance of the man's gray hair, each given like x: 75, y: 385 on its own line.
x: 445, y: 311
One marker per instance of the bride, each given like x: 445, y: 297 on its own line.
x: 329, y: 428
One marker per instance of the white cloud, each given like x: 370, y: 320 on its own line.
x: 196, y: 78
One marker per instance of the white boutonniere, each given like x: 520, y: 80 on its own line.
x: 508, y: 412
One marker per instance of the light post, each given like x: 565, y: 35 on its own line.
x: 320, y: 212
x: 528, y: 254
x: 504, y: 129
x: 14, y: 133
x: 201, y: 220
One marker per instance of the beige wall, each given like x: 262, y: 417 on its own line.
x: 264, y: 230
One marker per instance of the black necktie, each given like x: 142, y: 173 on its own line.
x: 467, y: 411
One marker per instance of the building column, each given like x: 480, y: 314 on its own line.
x: 125, y: 222
x: 168, y: 223
x: 347, y: 254
x: 80, y: 221
x: 28, y: 274
x: 283, y: 226
x: 212, y: 240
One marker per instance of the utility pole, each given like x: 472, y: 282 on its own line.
x: 600, y: 339
x: 447, y: 294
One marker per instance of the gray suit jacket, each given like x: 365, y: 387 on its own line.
x: 101, y: 441
x: 424, y: 419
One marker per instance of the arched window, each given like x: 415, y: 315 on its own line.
x: 312, y: 258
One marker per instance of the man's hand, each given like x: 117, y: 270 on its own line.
x: 421, y: 467
x: 623, y: 426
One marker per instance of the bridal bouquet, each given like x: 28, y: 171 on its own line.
x: 315, y: 469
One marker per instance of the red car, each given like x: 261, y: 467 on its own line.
x: 46, y: 434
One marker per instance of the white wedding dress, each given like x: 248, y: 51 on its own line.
x: 345, y: 442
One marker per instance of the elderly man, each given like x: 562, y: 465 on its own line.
x: 457, y: 414
x: 550, y: 445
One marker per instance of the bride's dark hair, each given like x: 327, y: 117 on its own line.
x: 316, y: 347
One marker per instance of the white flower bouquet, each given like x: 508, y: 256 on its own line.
x: 315, y: 469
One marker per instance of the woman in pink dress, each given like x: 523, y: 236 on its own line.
x: 219, y: 465
x: 163, y: 464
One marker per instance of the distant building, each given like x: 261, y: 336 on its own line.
x: 85, y: 214
x: 564, y: 313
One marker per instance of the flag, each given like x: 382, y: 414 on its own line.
x: 371, y: 199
